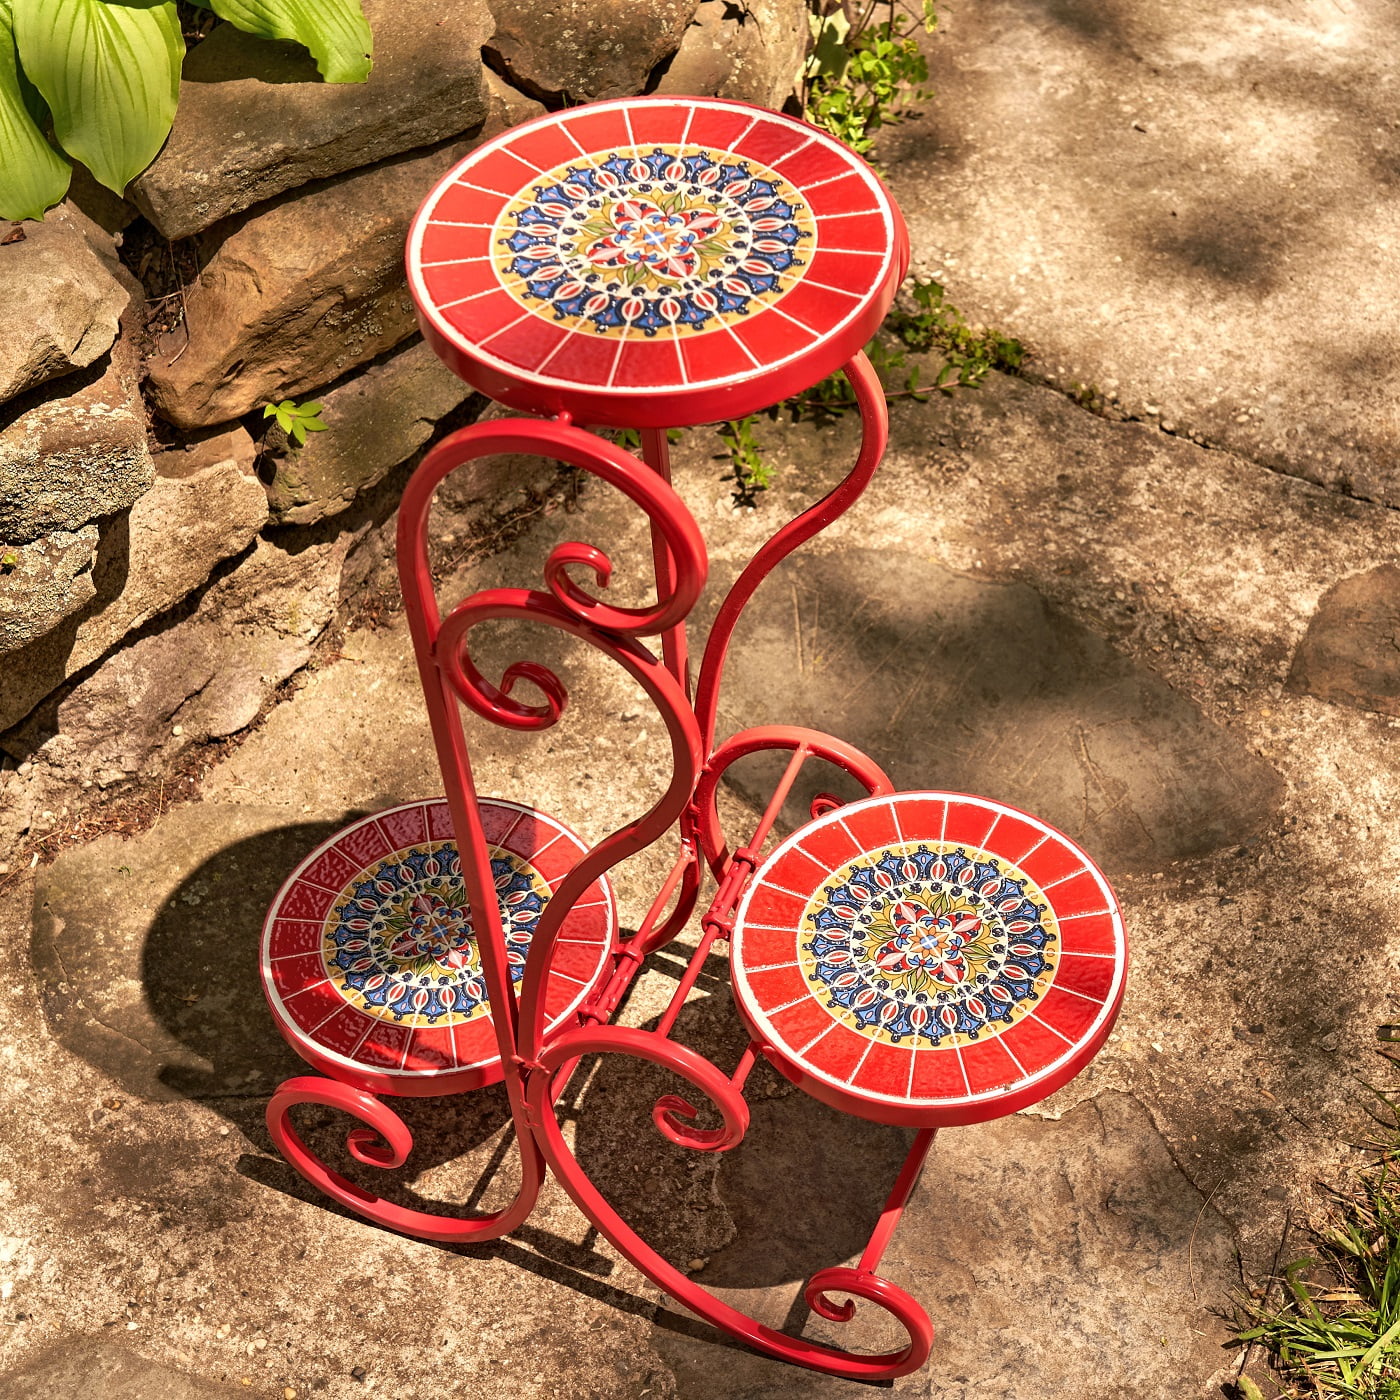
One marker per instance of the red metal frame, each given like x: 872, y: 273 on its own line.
x: 536, y: 1066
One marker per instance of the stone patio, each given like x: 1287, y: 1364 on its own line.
x: 1183, y: 652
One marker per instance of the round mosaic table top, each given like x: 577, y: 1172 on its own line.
x: 654, y: 262
x: 929, y: 958
x: 370, y: 963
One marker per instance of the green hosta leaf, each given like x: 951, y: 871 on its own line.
x: 335, y: 31
x: 110, y: 73
x: 32, y: 174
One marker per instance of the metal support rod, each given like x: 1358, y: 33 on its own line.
x: 656, y: 452
x: 687, y: 979
x: 898, y: 1198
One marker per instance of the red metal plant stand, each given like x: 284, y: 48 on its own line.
x: 924, y: 959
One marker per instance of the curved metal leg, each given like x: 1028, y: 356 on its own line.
x: 385, y: 1141
x: 860, y: 1282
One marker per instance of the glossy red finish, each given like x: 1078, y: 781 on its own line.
x: 829, y: 988
x: 654, y: 262
x: 576, y: 266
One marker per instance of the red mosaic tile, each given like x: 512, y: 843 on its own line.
x: 837, y: 1053
x: 718, y: 355
x: 1080, y: 894
x: 870, y: 826
x: 342, y: 1034
x: 658, y: 123
x: 600, y: 128
x: 797, y: 1026
x: 653, y: 362
x: 771, y: 141
x: 772, y: 987
x: 450, y: 242
x: 885, y: 1071
x: 312, y: 1005
x: 305, y: 901
x: 1050, y: 861
x: 539, y: 145
x: 475, y: 1042
x: 502, y: 172
x: 293, y: 974
x: 330, y: 870
x: 810, y: 161
x: 937, y: 1076
x: 440, y: 822
x: 765, y: 946
x: 1091, y: 977
x: 362, y: 843
x: 830, y: 844
x: 847, y: 194
x: 404, y: 826
x: 1094, y: 933
x: 1034, y: 1045
x: 383, y: 1048
x: 430, y: 1051
x: 1071, y: 1015
x: 289, y: 936
x: 865, y: 232
x: 968, y: 825
x: 989, y: 1067
x: 527, y: 341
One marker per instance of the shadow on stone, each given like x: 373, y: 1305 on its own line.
x: 986, y: 688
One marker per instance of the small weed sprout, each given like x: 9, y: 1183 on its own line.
x: 747, y: 469
x: 296, y: 419
x: 9, y: 559
x: 865, y: 67
x: 1337, y: 1333
x: 866, y: 71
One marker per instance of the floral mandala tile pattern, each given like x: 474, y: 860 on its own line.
x: 399, y: 940
x: 929, y: 958
x: 649, y: 262
x: 930, y: 944
x: 677, y: 239
x: 372, y: 968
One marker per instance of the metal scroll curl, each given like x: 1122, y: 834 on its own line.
x: 565, y: 443
x: 385, y: 1141
x: 454, y: 660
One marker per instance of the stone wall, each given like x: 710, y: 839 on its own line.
x: 166, y: 561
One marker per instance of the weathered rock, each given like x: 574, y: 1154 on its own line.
x: 74, y: 453
x: 50, y: 579
x: 61, y: 304
x: 578, y: 50
x: 1139, y: 191
x: 297, y: 296
x: 377, y: 420
x: 210, y: 673
x: 102, y: 1366
x: 752, y: 53
x: 107, y: 210
x: 1350, y: 653
x: 255, y: 120
x: 146, y: 561
x: 231, y: 444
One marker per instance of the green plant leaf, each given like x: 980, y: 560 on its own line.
x: 110, y: 73
x: 335, y: 31
x: 32, y: 174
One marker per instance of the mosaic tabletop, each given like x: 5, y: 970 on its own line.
x: 930, y: 957
x: 369, y: 959
x: 654, y: 261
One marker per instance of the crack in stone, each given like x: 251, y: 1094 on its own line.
x: 1243, y: 456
